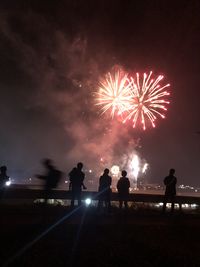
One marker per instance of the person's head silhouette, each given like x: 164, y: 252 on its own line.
x: 106, y: 171
x: 124, y: 173
x: 80, y: 165
x: 47, y: 163
x: 172, y: 171
x: 3, y: 169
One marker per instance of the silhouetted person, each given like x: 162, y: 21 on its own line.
x: 105, y: 182
x: 123, y: 185
x: 76, y: 177
x: 3, y: 179
x: 170, y: 191
x: 51, y: 178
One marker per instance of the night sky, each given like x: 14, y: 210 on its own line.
x: 52, y: 54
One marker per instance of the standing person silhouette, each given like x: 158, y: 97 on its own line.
x: 51, y: 178
x: 105, y: 182
x: 170, y: 191
x: 123, y: 185
x: 3, y: 179
x: 76, y: 177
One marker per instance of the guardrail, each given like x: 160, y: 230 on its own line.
x: 13, y: 193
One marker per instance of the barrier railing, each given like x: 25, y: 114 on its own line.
x: 12, y: 193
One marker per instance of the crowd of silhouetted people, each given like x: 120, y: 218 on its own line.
x: 53, y: 176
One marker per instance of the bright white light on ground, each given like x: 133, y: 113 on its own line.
x: 8, y: 183
x: 88, y: 201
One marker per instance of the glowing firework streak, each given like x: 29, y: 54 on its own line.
x: 114, y: 93
x: 144, y: 167
x: 135, y: 166
x: 147, y: 99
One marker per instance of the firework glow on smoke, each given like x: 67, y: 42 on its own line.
x: 138, y: 99
x: 133, y: 164
x: 115, y: 170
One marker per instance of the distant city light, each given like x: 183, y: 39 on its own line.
x: 194, y: 205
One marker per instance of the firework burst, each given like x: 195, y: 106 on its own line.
x: 140, y: 99
x: 114, y: 93
x: 147, y: 101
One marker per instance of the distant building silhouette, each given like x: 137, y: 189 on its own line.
x: 76, y: 177
x: 123, y: 185
x: 170, y: 191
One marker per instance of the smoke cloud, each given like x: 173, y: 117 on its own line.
x: 53, y: 106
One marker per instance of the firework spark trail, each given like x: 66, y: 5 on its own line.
x: 135, y: 166
x: 146, y: 99
x: 114, y: 93
x: 144, y: 167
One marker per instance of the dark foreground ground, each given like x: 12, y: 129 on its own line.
x: 140, y: 237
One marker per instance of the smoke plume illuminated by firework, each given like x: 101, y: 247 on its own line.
x: 133, y: 164
x: 52, y: 58
x: 115, y: 170
x: 138, y: 99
